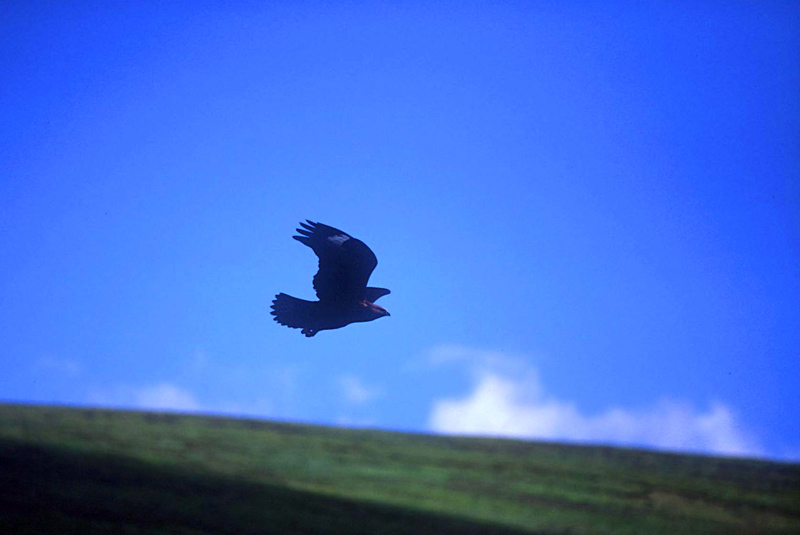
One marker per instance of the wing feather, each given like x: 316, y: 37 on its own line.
x: 345, y: 263
x: 373, y: 294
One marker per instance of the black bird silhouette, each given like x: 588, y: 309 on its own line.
x: 345, y: 265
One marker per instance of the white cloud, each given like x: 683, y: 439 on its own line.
x: 161, y: 396
x: 348, y: 421
x: 260, y: 407
x: 476, y: 359
x: 59, y: 366
x: 509, y: 399
x: 355, y: 391
x: 165, y: 396
x: 199, y: 360
x: 790, y: 453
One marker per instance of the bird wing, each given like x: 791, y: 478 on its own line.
x: 373, y: 294
x: 345, y: 263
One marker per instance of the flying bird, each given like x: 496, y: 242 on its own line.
x: 345, y: 265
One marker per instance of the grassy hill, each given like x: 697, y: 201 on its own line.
x: 66, y: 470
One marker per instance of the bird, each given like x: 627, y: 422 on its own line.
x: 345, y: 265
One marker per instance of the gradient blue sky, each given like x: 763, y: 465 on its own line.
x: 588, y: 214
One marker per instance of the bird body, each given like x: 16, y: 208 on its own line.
x: 345, y: 265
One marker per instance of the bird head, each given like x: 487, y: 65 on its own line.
x: 377, y: 310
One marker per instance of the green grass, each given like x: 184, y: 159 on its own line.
x: 65, y: 470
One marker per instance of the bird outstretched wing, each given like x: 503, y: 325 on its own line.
x: 345, y: 263
x: 373, y: 294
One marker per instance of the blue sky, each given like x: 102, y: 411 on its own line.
x: 589, y: 215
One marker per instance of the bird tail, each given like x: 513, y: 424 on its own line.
x: 294, y: 313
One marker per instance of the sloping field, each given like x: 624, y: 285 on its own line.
x: 65, y: 470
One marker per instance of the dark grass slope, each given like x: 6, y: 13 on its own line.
x: 95, y: 471
x: 58, y: 490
